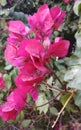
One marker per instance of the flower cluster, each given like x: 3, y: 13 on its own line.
x: 31, y: 55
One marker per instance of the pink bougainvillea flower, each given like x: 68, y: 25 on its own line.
x: 18, y: 96
x: 28, y: 69
x: 31, y: 56
x: 57, y: 16
x: 2, y: 83
x: 37, y: 53
x: 34, y: 47
x: 15, y: 103
x: 25, y: 79
x: 17, y: 32
x: 8, y: 111
x: 22, y: 55
x: 18, y: 27
x: 31, y: 89
x: 43, y: 21
x: 22, y: 51
x: 10, y: 53
x: 13, y: 106
x: 14, y: 39
x: 18, y: 36
x: 16, y: 54
x: 59, y: 48
x: 13, y: 57
x: 34, y: 93
x: 28, y: 75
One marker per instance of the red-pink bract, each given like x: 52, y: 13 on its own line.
x: 27, y: 79
x: 41, y: 22
x: 8, y: 111
x: 10, y: 53
x: 2, y: 83
x: 57, y: 16
x: 37, y: 53
x: 34, y: 93
x: 15, y: 103
x: 17, y: 27
x: 23, y: 85
x: 45, y: 20
x: 18, y: 96
x: 59, y: 48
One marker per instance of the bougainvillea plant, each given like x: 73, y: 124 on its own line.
x: 37, y: 53
x: 32, y: 55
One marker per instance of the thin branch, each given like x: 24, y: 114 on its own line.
x: 53, y: 88
x: 61, y: 111
x: 55, y: 75
x: 53, y: 98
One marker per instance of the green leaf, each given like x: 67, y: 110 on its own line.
x: 65, y: 98
x: 77, y: 98
x: 53, y: 111
x: 4, y: 12
x: 70, y: 74
x: 25, y: 123
x: 8, y: 67
x: 7, y: 80
x: 3, y: 2
x: 13, y: 73
x: 19, y: 16
x: 73, y: 77
x: 78, y: 38
x: 1, y: 122
x: 20, y: 116
x: 77, y: 7
x: 40, y: 101
x: 2, y: 23
x: 69, y: 107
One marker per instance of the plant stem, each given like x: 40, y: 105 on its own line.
x: 53, y: 98
x: 53, y: 88
x: 62, y: 109
x: 55, y: 75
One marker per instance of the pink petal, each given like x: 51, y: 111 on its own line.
x: 34, y: 93
x: 34, y: 47
x: 55, y: 12
x: 8, y: 106
x: 17, y: 27
x: 59, y: 48
x: 2, y: 83
x: 10, y: 53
